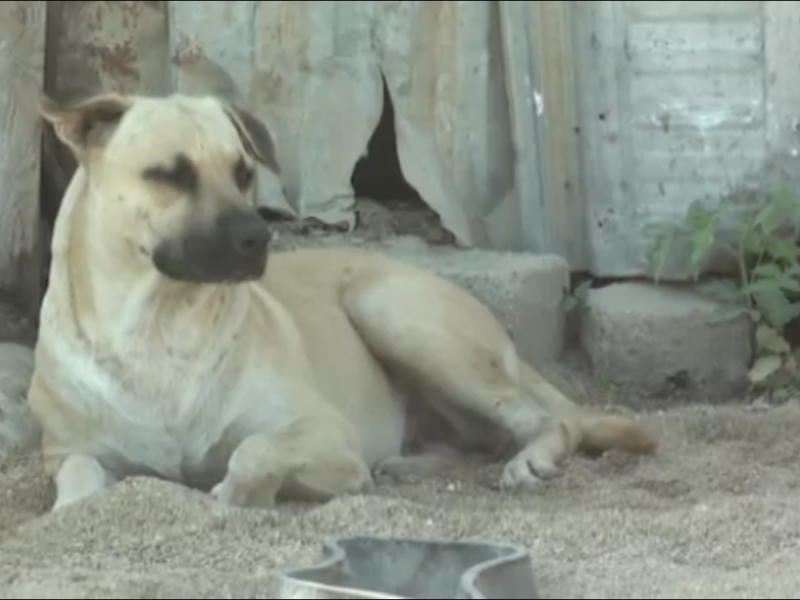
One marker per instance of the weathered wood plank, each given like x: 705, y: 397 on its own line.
x: 22, y: 35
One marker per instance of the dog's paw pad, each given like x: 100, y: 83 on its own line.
x: 518, y: 476
x: 524, y: 474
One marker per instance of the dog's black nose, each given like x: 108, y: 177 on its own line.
x: 250, y: 234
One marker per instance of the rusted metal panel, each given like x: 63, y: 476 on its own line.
x: 526, y: 108
x: 318, y: 84
x: 559, y: 142
x: 22, y: 39
x: 118, y: 46
x: 94, y: 46
x: 314, y: 71
x: 568, y: 127
x: 443, y: 63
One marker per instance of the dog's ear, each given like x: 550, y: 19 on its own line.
x: 86, y: 124
x: 255, y: 136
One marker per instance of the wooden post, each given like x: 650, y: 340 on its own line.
x: 22, y: 35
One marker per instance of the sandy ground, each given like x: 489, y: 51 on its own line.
x: 716, y: 514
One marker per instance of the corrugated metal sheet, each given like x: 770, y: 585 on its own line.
x: 553, y: 126
x: 22, y: 29
x: 314, y: 71
x: 681, y: 101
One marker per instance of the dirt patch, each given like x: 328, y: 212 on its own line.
x: 714, y: 515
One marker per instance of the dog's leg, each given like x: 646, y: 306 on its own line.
x: 313, y: 458
x: 446, y: 339
x: 79, y: 477
x: 431, y: 461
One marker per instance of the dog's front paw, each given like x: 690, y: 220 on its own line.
x: 526, y: 471
x: 396, y: 469
x: 241, y: 495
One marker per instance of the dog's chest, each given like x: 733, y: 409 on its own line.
x: 168, y: 417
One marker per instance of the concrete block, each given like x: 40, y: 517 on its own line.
x: 523, y: 290
x: 656, y: 338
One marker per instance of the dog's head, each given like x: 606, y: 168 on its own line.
x: 171, y: 180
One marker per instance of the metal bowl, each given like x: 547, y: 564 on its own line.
x: 370, y: 567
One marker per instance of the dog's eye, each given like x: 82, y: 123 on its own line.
x: 182, y: 175
x: 243, y: 174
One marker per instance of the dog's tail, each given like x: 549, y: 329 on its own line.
x: 600, y: 433
x: 595, y: 433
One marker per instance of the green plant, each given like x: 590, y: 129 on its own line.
x: 577, y: 296
x: 766, y: 287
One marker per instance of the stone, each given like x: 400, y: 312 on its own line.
x: 658, y: 339
x: 524, y: 291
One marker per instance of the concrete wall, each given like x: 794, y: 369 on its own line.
x: 681, y: 101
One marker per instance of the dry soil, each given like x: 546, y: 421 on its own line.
x: 715, y: 514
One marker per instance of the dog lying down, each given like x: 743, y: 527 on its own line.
x: 172, y: 344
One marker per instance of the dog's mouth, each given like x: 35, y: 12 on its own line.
x: 234, y: 250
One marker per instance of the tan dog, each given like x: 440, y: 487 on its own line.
x: 170, y: 346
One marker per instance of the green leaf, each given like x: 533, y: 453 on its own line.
x: 753, y: 243
x: 765, y: 270
x: 701, y: 242
x: 728, y: 312
x: 703, y: 233
x: 576, y: 297
x: 781, y: 249
x: 768, y: 218
x: 748, y: 239
x: 777, y: 309
x: 770, y: 276
x: 789, y: 284
x: 764, y: 367
x: 770, y: 340
x: 583, y: 289
x: 699, y: 215
x: 722, y: 290
x: 570, y: 303
x: 659, y: 251
x: 763, y: 286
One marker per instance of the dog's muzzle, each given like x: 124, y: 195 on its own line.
x: 233, y: 249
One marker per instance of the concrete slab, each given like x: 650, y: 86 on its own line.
x: 658, y: 339
x: 523, y: 290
